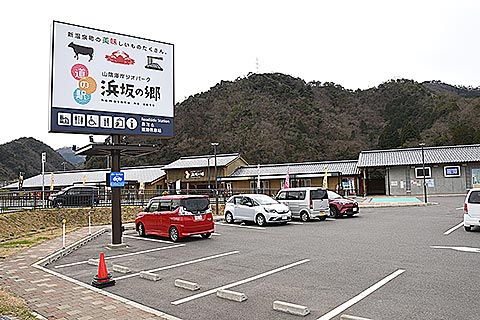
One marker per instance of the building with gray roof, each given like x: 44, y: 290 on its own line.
x: 448, y: 170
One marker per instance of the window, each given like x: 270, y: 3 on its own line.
x: 296, y: 195
x: 474, y: 197
x: 282, y: 195
x: 153, y: 207
x: 451, y: 171
x: 420, y: 174
x: 164, y: 205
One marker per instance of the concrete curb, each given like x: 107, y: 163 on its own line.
x: 290, y: 308
x: 231, y: 295
x: 62, y: 253
x: 150, y: 276
x: 192, y: 286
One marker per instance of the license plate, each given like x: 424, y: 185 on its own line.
x: 322, y: 213
x: 355, y: 209
x: 284, y: 218
x: 199, y: 217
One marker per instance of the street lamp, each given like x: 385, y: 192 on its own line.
x: 423, y: 170
x: 208, y: 174
x: 215, y: 145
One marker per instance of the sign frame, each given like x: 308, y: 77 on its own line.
x: 109, y: 83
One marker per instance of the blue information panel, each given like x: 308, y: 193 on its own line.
x: 117, y: 179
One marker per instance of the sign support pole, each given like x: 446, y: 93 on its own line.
x: 116, y: 196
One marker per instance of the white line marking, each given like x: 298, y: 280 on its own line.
x: 360, y: 296
x: 216, y: 234
x: 240, y: 226
x: 100, y: 291
x: 453, y: 229
x: 122, y: 255
x: 231, y: 285
x: 460, y: 208
x: 180, y: 264
x: 462, y: 249
x: 147, y: 239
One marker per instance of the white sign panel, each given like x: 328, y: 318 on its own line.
x: 108, y: 83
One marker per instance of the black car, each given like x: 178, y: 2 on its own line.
x: 75, y: 196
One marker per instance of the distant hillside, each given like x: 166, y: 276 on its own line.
x: 462, y: 91
x: 25, y: 155
x: 273, y: 118
x: 68, y: 154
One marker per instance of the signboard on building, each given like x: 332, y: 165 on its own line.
x: 109, y: 83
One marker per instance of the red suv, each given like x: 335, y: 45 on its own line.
x: 340, y: 205
x: 176, y: 216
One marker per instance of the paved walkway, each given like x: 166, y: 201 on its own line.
x: 55, y: 298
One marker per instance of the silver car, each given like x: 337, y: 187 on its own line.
x: 258, y: 208
x: 306, y: 202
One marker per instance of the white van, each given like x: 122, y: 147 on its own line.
x: 471, y: 208
x: 306, y: 202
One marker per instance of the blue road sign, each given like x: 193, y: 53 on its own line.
x: 117, y: 179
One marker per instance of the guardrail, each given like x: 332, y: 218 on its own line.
x: 34, y: 199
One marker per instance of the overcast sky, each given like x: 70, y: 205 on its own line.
x: 357, y: 44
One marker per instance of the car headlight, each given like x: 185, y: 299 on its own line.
x: 270, y: 210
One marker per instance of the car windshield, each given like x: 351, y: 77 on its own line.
x: 195, y: 204
x: 334, y: 195
x: 264, y: 200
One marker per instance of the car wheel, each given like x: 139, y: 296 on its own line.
x: 173, y: 232
x: 260, y: 220
x: 304, y: 216
x: 229, y: 217
x: 468, y: 228
x: 333, y: 212
x: 141, y: 229
x: 206, y: 235
x: 323, y: 218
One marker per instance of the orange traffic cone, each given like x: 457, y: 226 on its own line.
x: 103, y: 278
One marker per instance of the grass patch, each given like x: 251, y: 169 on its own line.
x: 16, y: 243
x: 11, y: 305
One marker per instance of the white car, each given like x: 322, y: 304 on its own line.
x: 258, y: 208
x: 471, y: 208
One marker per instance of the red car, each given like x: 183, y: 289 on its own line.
x: 340, y: 205
x: 176, y: 216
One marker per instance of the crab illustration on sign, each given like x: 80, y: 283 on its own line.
x: 120, y: 57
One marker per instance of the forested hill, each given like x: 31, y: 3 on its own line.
x: 25, y: 155
x: 274, y: 118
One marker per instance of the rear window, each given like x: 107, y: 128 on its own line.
x: 195, y: 204
x: 318, y: 194
x: 474, y: 197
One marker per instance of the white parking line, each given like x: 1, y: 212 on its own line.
x: 295, y: 222
x: 463, y: 249
x: 180, y: 264
x: 453, y: 229
x: 231, y: 285
x: 147, y: 239
x: 240, y: 226
x: 121, y: 255
x: 459, y: 208
x: 335, y: 312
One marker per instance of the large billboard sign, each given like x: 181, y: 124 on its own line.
x: 109, y: 83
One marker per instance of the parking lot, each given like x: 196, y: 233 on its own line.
x: 388, y: 263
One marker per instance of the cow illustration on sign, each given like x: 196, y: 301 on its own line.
x: 78, y: 49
